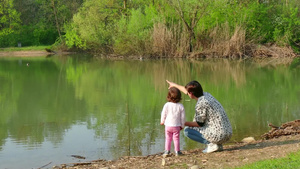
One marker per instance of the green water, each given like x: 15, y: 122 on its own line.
x: 52, y: 108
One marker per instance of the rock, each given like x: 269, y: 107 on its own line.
x: 195, y: 167
x: 245, y: 159
x: 163, y: 162
x: 248, y: 140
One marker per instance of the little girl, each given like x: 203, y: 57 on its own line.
x: 173, y: 117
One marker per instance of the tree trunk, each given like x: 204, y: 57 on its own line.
x: 56, y: 19
x: 125, y: 4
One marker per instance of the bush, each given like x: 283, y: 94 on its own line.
x: 134, y: 32
x: 29, y: 36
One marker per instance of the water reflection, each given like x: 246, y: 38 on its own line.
x: 60, y: 106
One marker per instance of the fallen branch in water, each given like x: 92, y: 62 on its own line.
x: 289, y: 128
x: 78, y: 156
x: 45, y: 165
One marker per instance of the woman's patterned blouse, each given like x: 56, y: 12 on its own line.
x: 216, y: 125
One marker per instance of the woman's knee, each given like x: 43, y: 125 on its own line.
x: 186, y: 131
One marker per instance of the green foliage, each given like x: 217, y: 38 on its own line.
x: 94, y: 23
x: 258, y: 22
x: 127, y: 27
x: 9, y: 18
x: 274, y: 22
x: 32, y: 22
x: 34, y: 35
x: 141, y: 21
x: 220, y: 12
x: 287, y: 27
x: 134, y: 30
x: 72, y: 38
x: 9, y: 23
x: 190, y: 11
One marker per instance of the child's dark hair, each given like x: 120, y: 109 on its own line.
x: 174, y: 95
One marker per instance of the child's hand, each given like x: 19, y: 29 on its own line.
x: 161, y: 123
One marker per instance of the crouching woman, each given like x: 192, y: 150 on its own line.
x: 211, y: 125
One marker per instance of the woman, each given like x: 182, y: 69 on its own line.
x: 211, y: 125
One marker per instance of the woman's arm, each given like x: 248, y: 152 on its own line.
x: 202, y: 108
x: 181, y: 88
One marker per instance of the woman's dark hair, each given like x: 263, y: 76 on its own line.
x: 174, y: 95
x: 195, y: 88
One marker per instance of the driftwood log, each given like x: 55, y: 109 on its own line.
x: 289, y: 128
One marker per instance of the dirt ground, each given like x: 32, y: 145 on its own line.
x: 24, y: 53
x: 31, y: 53
x: 235, y: 155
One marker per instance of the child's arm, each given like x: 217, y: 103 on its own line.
x: 163, y: 115
x: 182, y: 117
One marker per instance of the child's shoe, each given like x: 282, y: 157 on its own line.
x: 166, y: 153
x: 178, y: 153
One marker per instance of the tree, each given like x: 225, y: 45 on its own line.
x: 43, y: 20
x: 190, y: 12
x: 94, y: 23
x: 56, y: 19
x: 9, y: 18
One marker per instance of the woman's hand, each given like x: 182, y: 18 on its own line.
x: 181, y: 88
x: 171, y: 84
x: 191, y: 124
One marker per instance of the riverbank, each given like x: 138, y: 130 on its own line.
x: 30, y: 53
x: 280, y: 53
x: 236, y: 155
x: 23, y: 53
x: 38, y: 53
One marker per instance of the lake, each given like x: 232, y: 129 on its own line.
x: 54, y: 107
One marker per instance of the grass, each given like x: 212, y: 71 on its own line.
x: 292, y: 161
x: 10, y: 49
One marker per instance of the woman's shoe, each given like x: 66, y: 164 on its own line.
x: 220, y: 147
x: 211, y: 147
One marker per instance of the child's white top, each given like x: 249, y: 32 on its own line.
x: 173, y: 114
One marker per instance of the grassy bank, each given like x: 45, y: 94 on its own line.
x: 291, y: 161
x: 29, y: 48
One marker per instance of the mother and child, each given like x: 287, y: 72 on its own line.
x: 210, y: 125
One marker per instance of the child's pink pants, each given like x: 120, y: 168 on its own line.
x: 172, y: 132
